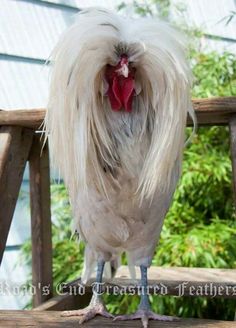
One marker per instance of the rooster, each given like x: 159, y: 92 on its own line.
x: 116, y: 117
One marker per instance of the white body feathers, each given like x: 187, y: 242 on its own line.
x: 120, y: 168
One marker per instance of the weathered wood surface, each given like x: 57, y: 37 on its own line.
x: 15, y: 143
x: 40, y: 221
x: 46, y: 319
x: 209, y: 111
x: 65, y: 302
x: 171, y: 277
x: 183, y: 273
x: 31, y: 118
x: 171, y: 281
x: 214, y: 111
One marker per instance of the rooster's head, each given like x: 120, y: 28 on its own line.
x: 120, y: 84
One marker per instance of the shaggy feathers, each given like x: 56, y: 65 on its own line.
x: 97, y: 150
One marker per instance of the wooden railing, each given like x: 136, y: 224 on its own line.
x: 17, y: 146
x: 209, y: 111
x: 20, y: 142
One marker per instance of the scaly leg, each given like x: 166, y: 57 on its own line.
x: 144, y: 310
x: 96, y: 305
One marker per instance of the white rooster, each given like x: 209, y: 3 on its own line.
x: 119, y: 98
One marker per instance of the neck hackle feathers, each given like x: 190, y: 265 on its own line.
x: 114, y: 80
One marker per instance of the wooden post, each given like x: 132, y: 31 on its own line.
x: 15, y: 143
x: 232, y: 131
x: 40, y: 221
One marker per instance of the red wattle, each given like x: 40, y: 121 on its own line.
x: 121, y: 93
x: 114, y: 95
x: 128, y: 93
x: 121, y: 89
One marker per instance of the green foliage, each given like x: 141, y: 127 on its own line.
x: 215, y: 74
x: 67, y: 252
x: 200, y: 228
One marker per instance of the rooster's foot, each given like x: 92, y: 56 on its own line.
x: 145, y: 315
x: 95, y: 307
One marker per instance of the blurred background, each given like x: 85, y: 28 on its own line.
x: 200, y: 228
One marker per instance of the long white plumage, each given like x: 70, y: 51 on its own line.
x: 119, y: 98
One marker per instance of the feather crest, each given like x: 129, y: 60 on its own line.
x: 84, y: 134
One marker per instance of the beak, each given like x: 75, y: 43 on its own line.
x: 124, y: 70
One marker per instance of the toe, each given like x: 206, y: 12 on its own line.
x: 72, y: 313
x: 159, y: 317
x: 121, y: 317
x: 88, y: 313
x: 145, y: 316
x: 127, y: 317
x: 106, y: 314
x: 87, y: 316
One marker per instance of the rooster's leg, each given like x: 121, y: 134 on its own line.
x: 144, y: 311
x: 96, y: 305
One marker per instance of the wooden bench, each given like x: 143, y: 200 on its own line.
x: 19, y: 143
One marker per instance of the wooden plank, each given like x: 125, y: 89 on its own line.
x: 183, y: 273
x: 40, y: 221
x: 209, y: 111
x: 213, y: 111
x: 15, y: 144
x: 31, y: 118
x: 54, y: 319
x: 57, y: 303
x: 171, y: 281
x: 232, y: 131
x: 213, y: 282
x: 65, y: 302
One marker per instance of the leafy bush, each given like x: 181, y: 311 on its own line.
x: 215, y: 74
